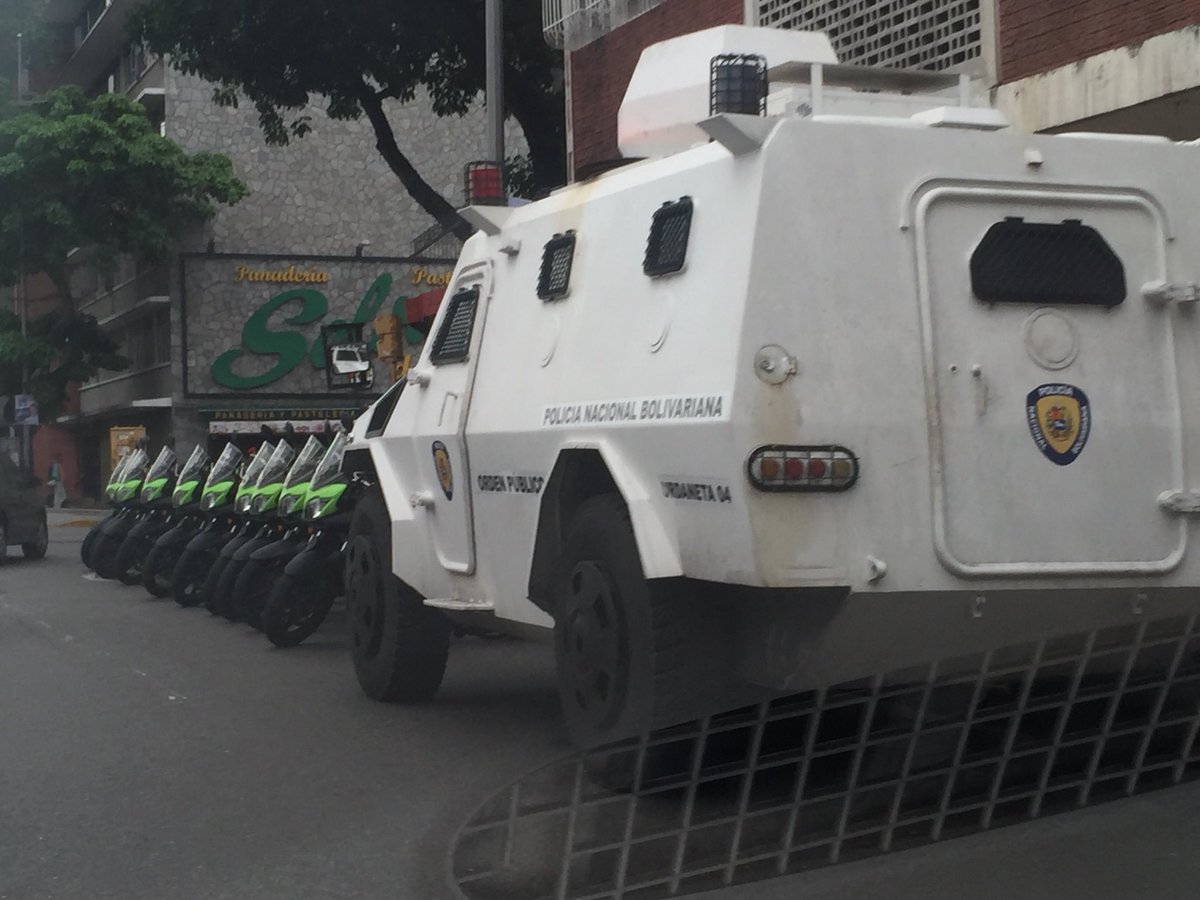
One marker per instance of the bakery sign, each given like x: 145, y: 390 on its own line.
x: 280, y: 335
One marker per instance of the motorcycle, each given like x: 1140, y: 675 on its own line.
x: 110, y: 537
x: 182, y: 522
x: 224, y: 522
x: 249, y: 576
x: 115, y: 479
x: 311, y: 580
x: 255, y: 513
x: 152, y: 519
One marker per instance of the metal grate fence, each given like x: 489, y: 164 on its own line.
x: 850, y: 771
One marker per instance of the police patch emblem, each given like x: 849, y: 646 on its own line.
x: 1060, y: 419
x: 441, y: 463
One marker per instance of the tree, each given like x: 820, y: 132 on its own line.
x: 77, y: 172
x: 280, y: 53
x: 58, y: 350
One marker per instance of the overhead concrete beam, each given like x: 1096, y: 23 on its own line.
x: 1109, y: 81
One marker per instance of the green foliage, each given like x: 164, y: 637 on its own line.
x: 79, y: 172
x: 280, y: 53
x: 60, y: 348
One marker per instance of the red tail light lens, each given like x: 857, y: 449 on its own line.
x: 780, y: 467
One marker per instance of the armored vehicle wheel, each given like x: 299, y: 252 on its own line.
x: 296, y: 608
x: 629, y: 652
x: 399, y: 644
x: 187, y: 578
x: 36, y: 549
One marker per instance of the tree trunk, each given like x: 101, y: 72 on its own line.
x: 418, y: 188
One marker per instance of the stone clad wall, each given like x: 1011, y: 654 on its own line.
x: 320, y: 195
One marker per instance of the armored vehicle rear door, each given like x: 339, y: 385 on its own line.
x: 1054, y: 410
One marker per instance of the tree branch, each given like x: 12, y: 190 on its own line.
x: 418, y: 188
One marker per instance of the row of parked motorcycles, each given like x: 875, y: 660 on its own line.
x: 254, y: 540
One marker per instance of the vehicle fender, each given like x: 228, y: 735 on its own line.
x: 208, y: 540
x: 119, y: 526
x: 250, y: 546
x: 230, y: 549
x: 308, y: 562
x: 179, y: 535
x: 147, y: 527
x: 657, y: 541
x: 283, y: 549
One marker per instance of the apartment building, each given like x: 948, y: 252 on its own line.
x: 1052, y: 65
x: 326, y: 233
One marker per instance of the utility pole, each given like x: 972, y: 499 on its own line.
x: 494, y: 37
x: 21, y: 297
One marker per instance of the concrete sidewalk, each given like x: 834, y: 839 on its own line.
x: 67, y: 517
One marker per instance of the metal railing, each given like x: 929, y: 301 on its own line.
x: 850, y: 771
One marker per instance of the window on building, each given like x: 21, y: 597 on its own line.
x: 896, y: 33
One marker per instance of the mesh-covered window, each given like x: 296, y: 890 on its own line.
x: 1045, y: 263
x: 933, y: 34
x: 666, y: 250
x: 554, y: 280
x: 453, y: 340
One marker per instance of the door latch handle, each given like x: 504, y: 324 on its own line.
x: 1186, y: 503
x: 1182, y: 293
x: 421, y: 500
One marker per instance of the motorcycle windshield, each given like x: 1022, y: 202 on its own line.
x: 277, y: 466
x: 163, y: 465
x: 258, y: 462
x: 118, y: 472
x: 306, y: 463
x: 331, y: 463
x: 225, y: 468
x: 135, y: 468
x: 194, y: 467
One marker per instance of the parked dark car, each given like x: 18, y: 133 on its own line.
x: 22, y: 512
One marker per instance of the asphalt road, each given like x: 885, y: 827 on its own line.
x: 152, y: 752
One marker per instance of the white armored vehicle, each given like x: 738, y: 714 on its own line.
x: 836, y: 374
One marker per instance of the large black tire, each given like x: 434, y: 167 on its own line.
x: 187, y: 578
x: 36, y: 549
x: 296, y: 609
x: 253, y: 587
x: 632, y: 654
x: 104, y: 554
x: 399, y: 644
x: 89, y: 543
x: 131, y: 558
x: 159, y: 568
x: 215, y: 602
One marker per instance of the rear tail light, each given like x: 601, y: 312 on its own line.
x: 778, y: 467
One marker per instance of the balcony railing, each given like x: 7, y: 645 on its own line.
x: 148, y: 286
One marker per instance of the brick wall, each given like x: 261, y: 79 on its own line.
x: 600, y: 72
x: 1039, y: 35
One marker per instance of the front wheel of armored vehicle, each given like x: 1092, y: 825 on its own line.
x: 399, y: 644
x: 628, y: 650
